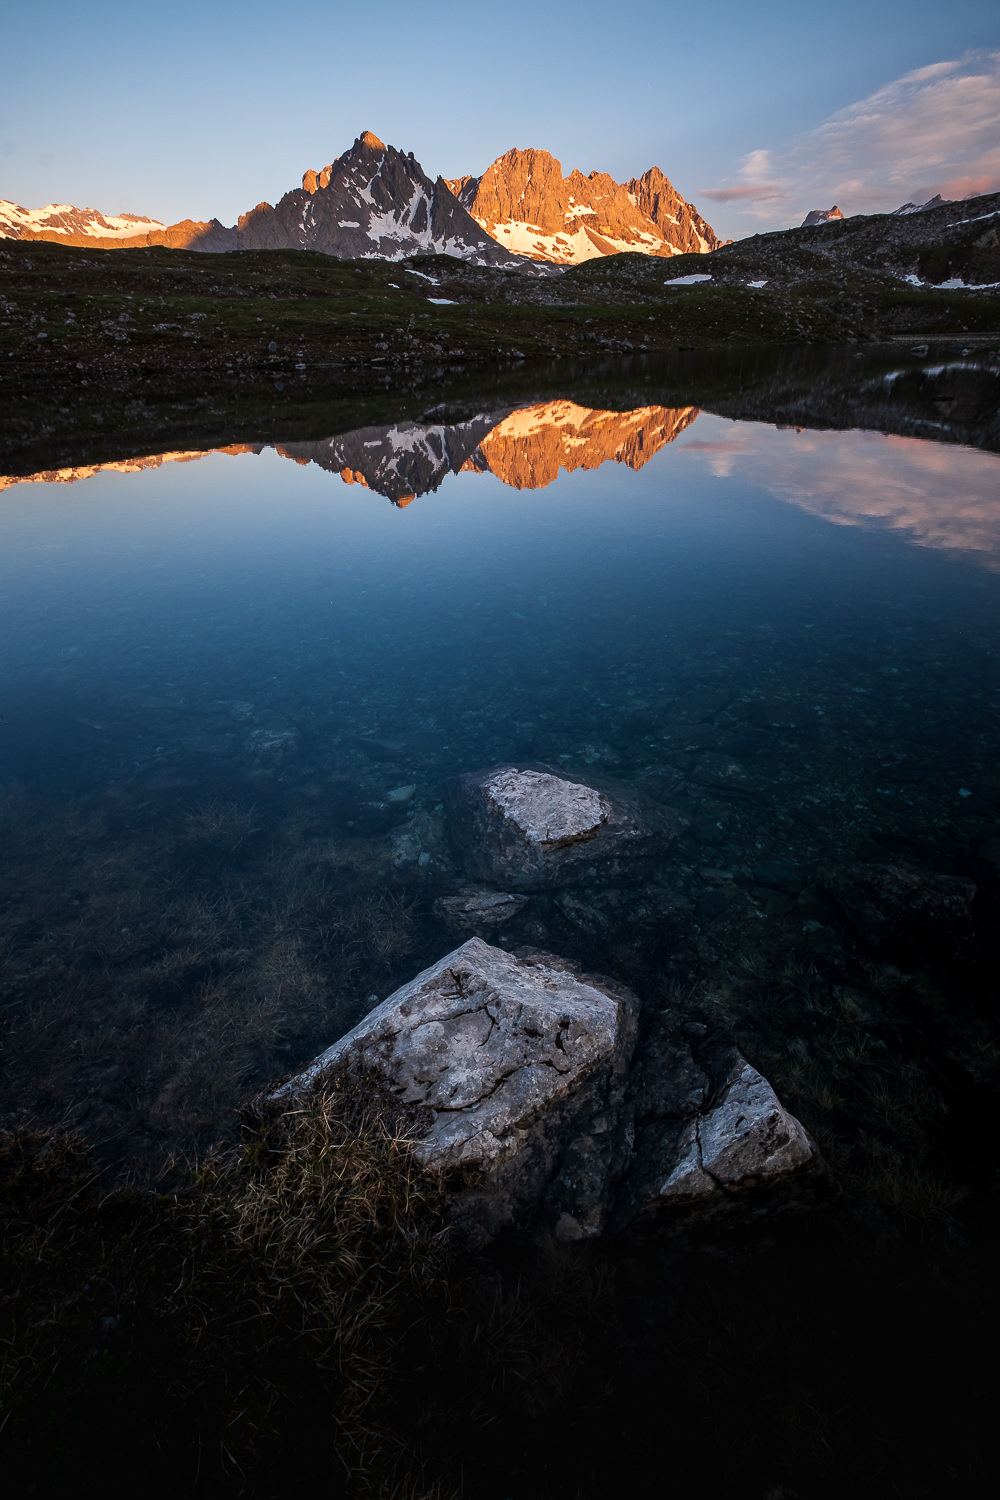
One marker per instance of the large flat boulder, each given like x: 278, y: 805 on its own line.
x: 512, y: 1061
x: 527, y: 828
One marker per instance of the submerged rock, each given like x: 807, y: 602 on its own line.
x: 521, y: 1071
x: 895, y: 906
x: 739, y: 1136
x: 528, y: 828
x: 271, y: 745
x: 478, y: 909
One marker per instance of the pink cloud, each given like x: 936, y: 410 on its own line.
x: 732, y: 194
x: 969, y: 187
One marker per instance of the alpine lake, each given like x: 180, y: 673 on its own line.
x: 238, y: 673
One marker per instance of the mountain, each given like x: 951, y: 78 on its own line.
x: 824, y: 215
x: 62, y: 224
x: 372, y: 201
x: 401, y: 461
x: 61, y: 221
x: 821, y: 216
x: 920, y: 208
x: 376, y: 202
x: 525, y: 203
x: 527, y: 449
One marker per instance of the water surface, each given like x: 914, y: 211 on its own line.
x: 234, y: 685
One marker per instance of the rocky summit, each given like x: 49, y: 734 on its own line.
x: 821, y: 216
x: 525, y: 203
x: 373, y: 201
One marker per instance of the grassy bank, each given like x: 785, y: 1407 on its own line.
x: 69, y: 315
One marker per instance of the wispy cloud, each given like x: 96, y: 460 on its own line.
x: 935, y: 130
x: 755, y: 173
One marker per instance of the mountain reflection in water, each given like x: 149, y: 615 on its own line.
x: 524, y: 447
x: 941, y: 497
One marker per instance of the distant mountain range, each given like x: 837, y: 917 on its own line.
x: 377, y: 202
x: 825, y: 215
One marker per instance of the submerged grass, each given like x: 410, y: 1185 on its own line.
x: 160, y: 963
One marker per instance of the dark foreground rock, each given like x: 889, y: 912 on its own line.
x: 520, y: 1071
x: 520, y: 1066
x: 527, y: 828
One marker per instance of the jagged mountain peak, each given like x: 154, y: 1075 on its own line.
x: 375, y: 201
x: 525, y: 203
x: 821, y: 216
x: 918, y: 208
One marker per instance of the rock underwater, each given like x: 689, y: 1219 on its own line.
x: 522, y: 1072
x: 527, y: 828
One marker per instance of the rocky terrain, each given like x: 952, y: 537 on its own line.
x: 146, y: 326
x: 524, y: 202
x: 519, y: 1067
x: 934, y: 244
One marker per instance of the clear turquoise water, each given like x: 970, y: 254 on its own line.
x: 214, y: 673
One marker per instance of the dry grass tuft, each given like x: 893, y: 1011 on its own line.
x: 270, y: 1296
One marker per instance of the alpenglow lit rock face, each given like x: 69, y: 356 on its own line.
x: 821, y: 216
x: 377, y: 202
x: 526, y: 204
x: 528, y: 828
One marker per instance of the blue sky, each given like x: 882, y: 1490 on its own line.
x: 756, y: 113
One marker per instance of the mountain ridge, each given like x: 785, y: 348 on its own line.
x: 524, y: 202
x: 376, y: 202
